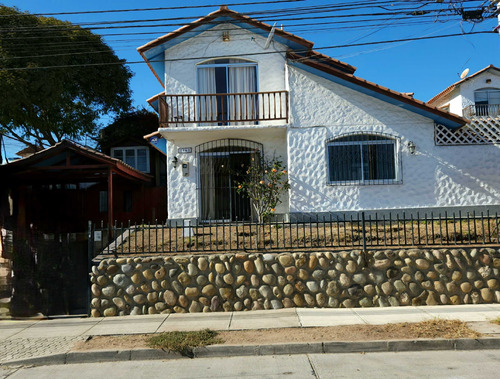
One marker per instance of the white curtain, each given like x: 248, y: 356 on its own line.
x: 242, y: 80
x: 207, y: 105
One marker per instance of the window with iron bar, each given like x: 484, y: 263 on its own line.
x: 363, y: 159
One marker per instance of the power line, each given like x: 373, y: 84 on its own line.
x: 249, y: 54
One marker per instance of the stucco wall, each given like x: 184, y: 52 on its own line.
x: 180, y: 73
x: 183, y: 194
x: 435, y: 176
x: 228, y: 282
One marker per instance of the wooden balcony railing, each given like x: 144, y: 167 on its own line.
x: 223, y: 108
x: 482, y: 110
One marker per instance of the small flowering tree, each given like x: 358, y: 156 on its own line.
x: 264, y: 183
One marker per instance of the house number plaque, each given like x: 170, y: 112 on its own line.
x: 184, y: 150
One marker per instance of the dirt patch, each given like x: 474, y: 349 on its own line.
x: 426, y: 329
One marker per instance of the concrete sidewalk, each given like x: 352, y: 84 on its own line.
x: 34, y: 338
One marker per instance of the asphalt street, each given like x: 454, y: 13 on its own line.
x: 427, y: 364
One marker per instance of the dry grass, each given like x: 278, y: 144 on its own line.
x: 496, y: 321
x: 154, y: 238
x: 427, y: 329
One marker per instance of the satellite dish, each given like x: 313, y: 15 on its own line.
x: 464, y: 73
x: 270, y: 37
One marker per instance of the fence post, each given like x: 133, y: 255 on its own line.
x: 363, y: 231
x: 90, y: 256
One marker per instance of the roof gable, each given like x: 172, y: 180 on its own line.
x: 153, y: 51
x: 450, y: 88
x: 371, y: 89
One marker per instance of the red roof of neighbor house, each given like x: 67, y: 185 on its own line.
x: 117, y: 165
x: 454, y: 85
x: 224, y: 11
x: 403, y: 97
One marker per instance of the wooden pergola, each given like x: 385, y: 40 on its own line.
x: 67, y: 163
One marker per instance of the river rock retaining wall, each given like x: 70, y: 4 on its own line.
x: 236, y: 282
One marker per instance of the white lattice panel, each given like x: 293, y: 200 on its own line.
x: 481, y: 131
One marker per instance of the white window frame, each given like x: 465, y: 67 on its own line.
x: 135, y: 148
x: 389, y: 140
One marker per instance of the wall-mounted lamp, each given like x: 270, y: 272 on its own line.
x: 225, y: 36
x: 488, y: 81
x: 412, y: 147
x: 175, y: 161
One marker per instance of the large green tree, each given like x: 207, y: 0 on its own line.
x: 56, y: 79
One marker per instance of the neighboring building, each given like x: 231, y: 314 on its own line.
x: 476, y: 97
x: 61, y: 188
x: 235, y: 88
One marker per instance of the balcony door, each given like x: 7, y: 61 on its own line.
x: 231, y: 86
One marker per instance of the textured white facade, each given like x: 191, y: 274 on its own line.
x: 435, y: 176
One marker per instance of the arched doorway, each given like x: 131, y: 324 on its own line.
x: 222, y: 165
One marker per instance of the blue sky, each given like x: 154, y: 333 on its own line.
x: 425, y: 67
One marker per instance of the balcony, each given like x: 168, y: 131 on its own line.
x: 482, y: 110
x: 223, y: 109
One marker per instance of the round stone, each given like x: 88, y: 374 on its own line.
x: 170, y: 298
x: 318, y: 274
x: 266, y: 291
x: 220, y: 268
x: 228, y: 279
x: 111, y: 270
x: 140, y: 299
x: 456, y: 276
x: 321, y: 299
x: 109, y: 312
x: 109, y: 291
x: 276, y: 304
x: 399, y: 285
x: 183, y: 301
x: 381, y: 264
x: 248, y: 266
x: 313, y: 262
x: 148, y: 274
x: 344, y: 280
x: 209, y: 290
x: 184, y: 278
x: 192, y: 292
x: 287, y: 303
x: 202, y: 263
x: 332, y: 289
x: 366, y: 302
x: 102, y: 280
x: 226, y: 293
x: 192, y: 270
x: 121, y: 280
x: 466, y: 287
x: 369, y: 289
x: 269, y: 279
x: 350, y: 267
x: 359, y: 278
x: 259, y: 266
x: 242, y: 292
x: 387, y: 288
x: 119, y: 302
x: 422, y: 264
x: 312, y: 286
x: 298, y: 300
x: 285, y: 260
x: 96, y: 291
x: 136, y: 278
x: 254, y: 280
x: 195, y: 307
x: 487, y: 294
x: 160, y: 273
x: 288, y: 290
x: 492, y: 283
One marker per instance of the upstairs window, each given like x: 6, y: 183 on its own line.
x: 135, y: 156
x: 487, y: 96
x: 363, y: 159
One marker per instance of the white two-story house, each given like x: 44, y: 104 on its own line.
x: 476, y: 97
x: 234, y: 88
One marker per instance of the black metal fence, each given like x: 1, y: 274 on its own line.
x: 360, y: 231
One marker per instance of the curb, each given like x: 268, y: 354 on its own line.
x: 336, y: 347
